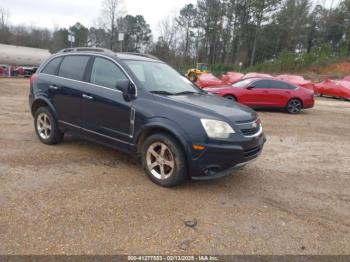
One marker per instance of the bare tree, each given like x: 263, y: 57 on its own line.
x: 168, y: 30
x: 112, y: 10
x: 4, y: 17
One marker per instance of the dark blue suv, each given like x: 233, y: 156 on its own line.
x: 138, y: 104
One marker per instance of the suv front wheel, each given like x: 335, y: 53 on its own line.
x: 163, y: 160
x: 46, y: 127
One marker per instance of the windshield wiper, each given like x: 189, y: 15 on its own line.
x: 162, y: 92
x: 187, y: 93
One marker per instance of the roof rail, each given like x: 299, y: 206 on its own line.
x: 86, y: 49
x: 140, y: 54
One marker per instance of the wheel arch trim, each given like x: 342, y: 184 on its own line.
x: 43, y: 100
x: 168, y: 126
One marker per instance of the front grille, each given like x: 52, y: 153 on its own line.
x: 252, y: 152
x: 250, y: 131
x: 250, y: 128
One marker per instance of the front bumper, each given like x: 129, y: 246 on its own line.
x: 223, y: 173
x: 219, y: 160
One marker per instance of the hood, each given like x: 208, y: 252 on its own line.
x: 218, y: 106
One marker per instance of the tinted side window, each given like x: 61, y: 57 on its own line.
x: 262, y: 84
x: 52, y: 67
x: 291, y: 87
x: 73, y: 67
x: 279, y: 85
x: 106, y: 73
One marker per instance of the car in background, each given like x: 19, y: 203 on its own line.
x: 255, y: 75
x: 208, y: 79
x: 266, y: 92
x: 334, y: 88
x: 297, y: 80
x: 25, y: 71
x: 231, y: 77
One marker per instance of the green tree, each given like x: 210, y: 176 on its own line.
x: 80, y: 33
x: 186, y: 20
x: 137, y: 33
x: 261, y: 10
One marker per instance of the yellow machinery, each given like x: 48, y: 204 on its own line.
x: 194, y: 73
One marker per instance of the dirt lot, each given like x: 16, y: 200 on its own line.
x: 82, y: 198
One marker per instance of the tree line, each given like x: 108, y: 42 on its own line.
x: 219, y: 32
x: 250, y: 32
x: 112, y: 21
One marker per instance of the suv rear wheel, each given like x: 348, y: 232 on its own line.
x: 163, y: 160
x: 46, y: 127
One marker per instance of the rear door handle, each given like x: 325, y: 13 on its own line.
x: 85, y: 96
x: 54, y: 87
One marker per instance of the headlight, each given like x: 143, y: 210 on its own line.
x: 216, y: 128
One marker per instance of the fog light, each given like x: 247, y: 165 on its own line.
x: 198, y: 147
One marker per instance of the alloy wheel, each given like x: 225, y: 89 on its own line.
x: 160, y: 160
x: 294, y: 106
x: 43, y: 126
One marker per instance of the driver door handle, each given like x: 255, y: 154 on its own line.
x: 85, y: 96
x: 54, y: 87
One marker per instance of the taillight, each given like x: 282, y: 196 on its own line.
x: 33, y: 78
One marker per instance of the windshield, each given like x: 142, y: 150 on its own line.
x: 243, y: 83
x: 161, y: 78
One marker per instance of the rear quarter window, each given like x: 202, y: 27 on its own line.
x: 52, y: 67
x: 280, y: 85
x: 291, y: 87
x: 73, y: 67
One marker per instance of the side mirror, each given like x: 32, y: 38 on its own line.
x: 127, y: 88
x: 250, y: 87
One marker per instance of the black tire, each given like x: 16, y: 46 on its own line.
x: 54, y: 136
x: 294, y: 106
x: 231, y: 97
x: 173, y: 153
x: 192, y: 77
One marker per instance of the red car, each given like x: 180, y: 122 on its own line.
x: 297, y: 80
x: 334, y: 88
x: 256, y: 75
x: 231, y: 77
x: 208, y: 79
x: 266, y: 92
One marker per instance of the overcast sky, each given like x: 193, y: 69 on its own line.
x: 63, y: 13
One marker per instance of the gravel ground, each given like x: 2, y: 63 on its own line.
x: 82, y: 198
